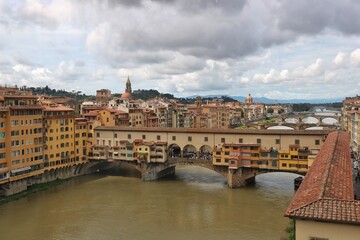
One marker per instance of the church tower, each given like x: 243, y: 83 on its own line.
x: 127, y: 93
x: 128, y: 86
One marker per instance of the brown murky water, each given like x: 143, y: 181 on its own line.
x: 196, y: 204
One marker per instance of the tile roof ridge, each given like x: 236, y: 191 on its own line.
x: 327, y: 171
x: 289, y: 211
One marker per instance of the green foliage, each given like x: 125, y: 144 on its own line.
x: 148, y: 94
x: 301, y: 107
x: 304, y: 107
x: 290, y: 229
x: 280, y: 111
x: 272, y: 120
x: 228, y: 99
x: 53, y: 92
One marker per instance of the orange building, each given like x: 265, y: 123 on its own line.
x: 21, y: 142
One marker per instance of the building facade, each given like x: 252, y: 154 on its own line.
x: 229, y: 148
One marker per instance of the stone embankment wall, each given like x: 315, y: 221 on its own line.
x: 13, y: 187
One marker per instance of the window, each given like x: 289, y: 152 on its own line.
x: 277, y: 141
x: 240, y: 140
x: 143, y: 136
x: 189, y: 139
x: 317, y: 142
x: 258, y: 141
x: 129, y: 136
x: 206, y: 139
x: 97, y: 134
x: 317, y: 238
x: 115, y: 135
x: 218, y: 160
x: 174, y: 138
x: 158, y: 137
x: 223, y: 140
x: 297, y: 141
x: 283, y: 164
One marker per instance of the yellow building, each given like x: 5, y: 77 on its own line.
x: 59, y: 124
x: 150, y: 152
x: 136, y: 117
x: 218, y: 116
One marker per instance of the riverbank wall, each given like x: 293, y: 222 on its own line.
x: 14, y: 187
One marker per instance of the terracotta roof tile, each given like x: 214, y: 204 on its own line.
x: 326, y: 193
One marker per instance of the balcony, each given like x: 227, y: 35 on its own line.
x: 4, y: 169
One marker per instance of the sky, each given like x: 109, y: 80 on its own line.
x: 279, y: 49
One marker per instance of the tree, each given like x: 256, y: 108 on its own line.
x: 280, y: 111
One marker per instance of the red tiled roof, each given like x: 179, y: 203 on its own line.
x: 57, y: 108
x: 91, y: 114
x: 326, y: 193
x: 330, y: 210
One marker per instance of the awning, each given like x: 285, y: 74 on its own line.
x: 20, y: 169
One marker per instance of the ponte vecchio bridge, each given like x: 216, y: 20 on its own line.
x: 238, y: 155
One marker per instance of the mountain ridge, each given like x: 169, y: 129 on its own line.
x: 276, y: 101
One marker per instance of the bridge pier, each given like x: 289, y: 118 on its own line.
x: 154, y: 171
x: 240, y: 177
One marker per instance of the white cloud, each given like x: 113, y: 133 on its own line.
x: 46, y: 14
x: 340, y: 59
x: 355, y: 58
x: 69, y: 71
x: 272, y: 76
x: 29, y: 76
x: 314, y: 69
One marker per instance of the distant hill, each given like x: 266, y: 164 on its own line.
x: 146, y: 94
x: 273, y: 101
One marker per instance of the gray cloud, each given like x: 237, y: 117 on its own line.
x: 196, y: 6
x: 192, y: 44
x: 311, y: 17
x: 20, y: 59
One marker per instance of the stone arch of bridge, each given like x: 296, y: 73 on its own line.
x: 329, y: 121
x: 291, y: 120
x: 190, y: 151
x: 174, y: 151
x: 205, y: 152
x: 280, y: 127
x: 311, y: 120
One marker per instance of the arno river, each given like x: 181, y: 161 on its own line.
x: 196, y: 204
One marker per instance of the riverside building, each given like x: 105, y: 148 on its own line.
x: 21, y: 139
x: 39, y: 141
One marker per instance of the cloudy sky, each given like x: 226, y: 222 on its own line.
x: 280, y: 49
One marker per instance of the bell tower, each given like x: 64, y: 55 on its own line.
x: 128, y: 86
